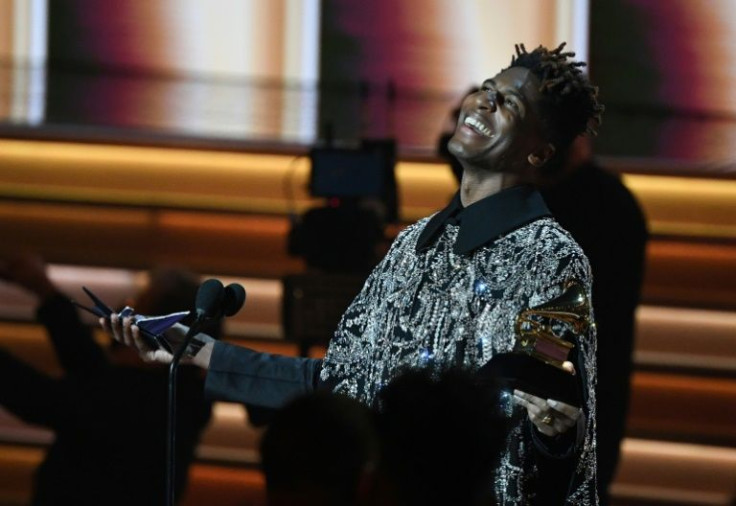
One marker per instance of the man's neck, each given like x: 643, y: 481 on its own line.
x: 474, y: 188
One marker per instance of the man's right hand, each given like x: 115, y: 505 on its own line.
x: 125, y: 332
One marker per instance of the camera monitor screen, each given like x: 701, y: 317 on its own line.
x: 339, y: 172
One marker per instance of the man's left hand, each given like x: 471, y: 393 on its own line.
x: 549, y: 416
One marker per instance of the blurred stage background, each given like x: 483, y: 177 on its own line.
x: 135, y: 133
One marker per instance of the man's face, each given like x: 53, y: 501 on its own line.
x: 499, y: 125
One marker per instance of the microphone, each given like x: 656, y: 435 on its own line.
x: 233, y: 299
x: 214, y: 301
x: 209, y: 300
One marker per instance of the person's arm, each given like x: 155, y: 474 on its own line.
x: 572, y: 474
x: 234, y: 373
x: 76, y: 349
x: 73, y: 343
x: 559, y: 452
x: 238, y: 374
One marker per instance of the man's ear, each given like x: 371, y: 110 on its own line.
x: 542, y: 155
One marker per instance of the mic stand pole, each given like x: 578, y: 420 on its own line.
x: 171, y: 425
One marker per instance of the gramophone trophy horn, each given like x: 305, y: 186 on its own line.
x: 541, y: 329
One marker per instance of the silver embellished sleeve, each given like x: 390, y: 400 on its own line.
x: 574, y: 266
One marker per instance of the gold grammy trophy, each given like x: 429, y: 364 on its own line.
x: 539, y: 328
x: 536, y: 363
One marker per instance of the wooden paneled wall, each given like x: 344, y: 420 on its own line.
x: 121, y: 209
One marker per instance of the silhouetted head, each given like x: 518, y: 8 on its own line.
x: 167, y: 290
x: 441, y: 438
x: 317, y: 450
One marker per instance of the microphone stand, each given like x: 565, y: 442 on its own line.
x: 171, y: 425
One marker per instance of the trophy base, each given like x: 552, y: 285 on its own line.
x: 526, y: 373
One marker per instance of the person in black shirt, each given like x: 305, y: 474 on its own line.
x: 94, y: 458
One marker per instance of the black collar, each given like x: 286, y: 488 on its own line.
x: 487, y: 219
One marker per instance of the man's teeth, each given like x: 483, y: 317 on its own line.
x: 477, y: 125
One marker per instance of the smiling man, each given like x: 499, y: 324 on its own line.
x: 451, y: 288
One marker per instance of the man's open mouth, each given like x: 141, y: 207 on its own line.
x: 477, y: 126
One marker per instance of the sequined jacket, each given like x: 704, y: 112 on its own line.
x: 449, y: 294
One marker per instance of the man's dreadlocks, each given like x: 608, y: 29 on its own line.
x: 570, y: 105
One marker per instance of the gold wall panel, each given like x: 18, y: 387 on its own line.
x: 277, y: 184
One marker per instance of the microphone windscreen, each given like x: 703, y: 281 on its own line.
x: 234, y: 299
x: 210, y: 297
